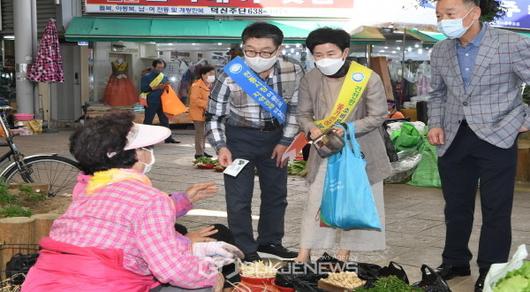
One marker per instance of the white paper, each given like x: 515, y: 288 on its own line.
x: 236, y: 167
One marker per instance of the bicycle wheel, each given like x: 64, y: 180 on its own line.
x: 57, y: 173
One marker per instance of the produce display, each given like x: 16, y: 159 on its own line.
x: 205, y: 162
x: 259, y: 269
x: 391, y: 283
x: 296, y: 167
x: 343, y: 280
x: 515, y: 281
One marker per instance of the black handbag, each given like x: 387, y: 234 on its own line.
x: 431, y: 281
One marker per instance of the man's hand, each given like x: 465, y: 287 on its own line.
x: 339, y: 131
x: 523, y: 129
x: 436, y: 136
x: 277, y: 154
x: 225, y: 157
x: 201, y: 191
x: 315, y: 133
x: 202, y: 235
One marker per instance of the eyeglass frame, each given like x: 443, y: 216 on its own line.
x: 260, y: 53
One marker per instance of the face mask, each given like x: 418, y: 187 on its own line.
x: 149, y: 166
x: 454, y: 28
x: 329, y: 66
x: 259, y: 64
x: 210, y: 79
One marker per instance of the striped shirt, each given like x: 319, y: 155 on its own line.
x: 230, y: 105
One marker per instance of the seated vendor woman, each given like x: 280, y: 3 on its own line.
x: 118, y: 233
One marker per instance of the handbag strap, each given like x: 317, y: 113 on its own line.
x: 349, y: 138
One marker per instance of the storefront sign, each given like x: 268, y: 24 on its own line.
x: 517, y: 14
x: 279, y: 8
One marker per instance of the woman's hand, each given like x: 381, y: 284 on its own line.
x: 220, y: 283
x: 315, y: 133
x: 201, y: 191
x: 339, y: 131
x: 202, y: 235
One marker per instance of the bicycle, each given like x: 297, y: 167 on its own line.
x: 57, y: 173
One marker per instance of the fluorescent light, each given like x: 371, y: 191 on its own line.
x: 219, y: 44
x: 394, y: 52
x: 416, y: 45
x: 386, y: 48
x: 381, y: 51
x: 409, y: 49
x: 398, y: 48
x: 284, y: 52
x: 193, y: 44
x: 420, y: 51
x: 9, y: 37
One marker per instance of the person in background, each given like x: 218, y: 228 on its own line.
x: 199, y: 93
x: 238, y: 127
x: 152, y: 86
x: 475, y: 116
x: 393, y: 113
x: 118, y: 233
x: 319, y: 92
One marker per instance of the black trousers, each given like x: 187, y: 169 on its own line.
x: 152, y: 109
x: 256, y: 146
x: 468, y: 162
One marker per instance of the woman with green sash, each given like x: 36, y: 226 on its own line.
x: 341, y: 91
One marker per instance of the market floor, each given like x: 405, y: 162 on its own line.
x: 415, y: 221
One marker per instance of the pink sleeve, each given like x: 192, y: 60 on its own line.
x: 182, y: 204
x: 167, y: 253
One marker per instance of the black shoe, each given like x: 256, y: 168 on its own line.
x: 448, y: 272
x: 252, y: 257
x: 207, y: 155
x: 171, y: 141
x: 276, y: 251
x: 479, y: 285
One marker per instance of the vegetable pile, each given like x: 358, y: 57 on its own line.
x: 391, y: 283
x: 515, y: 281
x: 296, y: 167
x: 344, y: 280
x: 205, y: 162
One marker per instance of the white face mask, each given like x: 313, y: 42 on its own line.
x: 259, y: 64
x: 454, y: 28
x: 149, y: 166
x: 210, y: 79
x: 329, y: 66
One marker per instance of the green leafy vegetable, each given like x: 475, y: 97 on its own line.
x: 387, y: 284
x: 515, y: 281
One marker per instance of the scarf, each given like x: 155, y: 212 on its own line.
x: 102, y: 179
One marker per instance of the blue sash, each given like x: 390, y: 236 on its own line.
x: 258, y: 89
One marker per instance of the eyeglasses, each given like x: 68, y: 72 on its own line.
x: 263, y: 54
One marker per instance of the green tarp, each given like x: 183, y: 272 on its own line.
x: 88, y: 28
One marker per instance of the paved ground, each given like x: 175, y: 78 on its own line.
x: 415, y: 222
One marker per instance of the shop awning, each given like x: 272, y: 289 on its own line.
x: 427, y: 37
x: 87, y: 28
x: 526, y: 34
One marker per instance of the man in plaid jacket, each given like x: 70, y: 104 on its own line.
x: 475, y: 114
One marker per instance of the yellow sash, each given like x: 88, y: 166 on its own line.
x: 349, y: 96
x: 153, y: 84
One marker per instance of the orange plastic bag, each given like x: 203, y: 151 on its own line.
x: 171, y: 104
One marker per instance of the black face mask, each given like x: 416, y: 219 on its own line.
x: 342, y: 71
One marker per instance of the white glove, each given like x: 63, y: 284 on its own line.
x: 216, y: 249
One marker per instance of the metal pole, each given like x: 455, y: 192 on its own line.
x: 23, y: 55
x: 398, y: 99
x: 34, y: 38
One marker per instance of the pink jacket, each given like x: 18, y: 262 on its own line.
x: 65, y: 267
